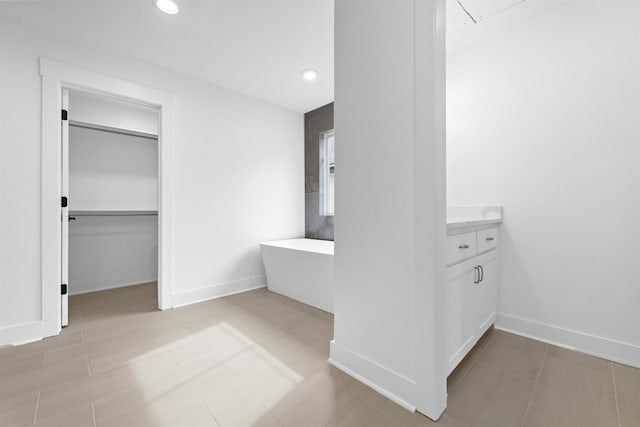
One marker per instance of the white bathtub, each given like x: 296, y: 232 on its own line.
x: 301, y: 269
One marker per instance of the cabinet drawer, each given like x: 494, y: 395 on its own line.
x: 487, y: 239
x: 460, y: 247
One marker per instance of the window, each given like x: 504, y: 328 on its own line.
x: 327, y: 173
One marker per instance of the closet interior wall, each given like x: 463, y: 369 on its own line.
x: 113, y: 193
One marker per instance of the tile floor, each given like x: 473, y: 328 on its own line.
x: 259, y: 359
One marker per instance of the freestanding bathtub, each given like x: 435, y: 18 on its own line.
x: 301, y: 269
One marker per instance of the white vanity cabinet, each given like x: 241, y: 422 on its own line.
x: 471, y: 289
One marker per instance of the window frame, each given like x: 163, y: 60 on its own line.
x: 326, y: 170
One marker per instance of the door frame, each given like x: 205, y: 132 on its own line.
x: 64, y: 211
x: 56, y: 76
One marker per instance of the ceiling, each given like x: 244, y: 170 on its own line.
x: 257, y: 47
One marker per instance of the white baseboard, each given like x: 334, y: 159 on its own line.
x: 388, y: 383
x: 21, y: 334
x: 106, y: 288
x: 218, y: 290
x: 604, y: 348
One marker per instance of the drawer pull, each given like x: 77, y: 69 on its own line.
x: 489, y: 239
x: 463, y: 247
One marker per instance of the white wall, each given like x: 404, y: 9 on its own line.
x: 543, y: 117
x: 238, y: 173
x: 109, y: 171
x: 105, y: 111
x: 112, y: 251
x: 390, y: 207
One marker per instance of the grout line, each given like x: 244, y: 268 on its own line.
x: 535, y: 384
x: 226, y: 368
x: 175, y: 362
x: 504, y: 371
x: 93, y: 413
x: 35, y: 414
x: 88, y: 365
x: 207, y: 409
x: 473, y: 362
x: 484, y: 348
x: 272, y: 415
x: 464, y: 374
x: 615, y: 394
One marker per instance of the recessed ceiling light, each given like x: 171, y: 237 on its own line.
x: 310, y: 74
x: 167, y: 6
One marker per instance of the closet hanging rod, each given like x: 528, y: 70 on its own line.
x: 112, y: 213
x: 110, y: 129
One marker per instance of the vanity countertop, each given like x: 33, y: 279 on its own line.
x: 459, y: 217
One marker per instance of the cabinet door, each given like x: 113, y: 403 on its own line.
x: 460, y: 322
x: 487, y: 292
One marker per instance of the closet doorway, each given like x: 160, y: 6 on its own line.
x: 57, y: 76
x: 110, y: 194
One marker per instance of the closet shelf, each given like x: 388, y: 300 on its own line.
x: 113, y: 212
x: 111, y: 129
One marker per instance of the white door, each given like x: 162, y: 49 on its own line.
x: 487, y: 291
x: 64, y: 217
x: 459, y: 311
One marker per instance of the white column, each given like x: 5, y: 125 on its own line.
x: 390, y: 225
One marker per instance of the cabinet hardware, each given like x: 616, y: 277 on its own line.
x: 489, y: 239
x: 481, y: 273
x: 476, y: 275
x: 463, y: 247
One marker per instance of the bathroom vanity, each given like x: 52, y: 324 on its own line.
x: 471, y: 287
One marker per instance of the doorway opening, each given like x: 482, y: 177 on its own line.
x: 109, y: 182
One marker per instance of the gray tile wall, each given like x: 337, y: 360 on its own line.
x: 315, y: 122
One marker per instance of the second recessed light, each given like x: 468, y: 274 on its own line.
x: 310, y: 74
x: 167, y: 6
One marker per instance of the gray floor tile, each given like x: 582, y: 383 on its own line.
x: 490, y: 397
x: 515, y: 354
x: 571, y: 395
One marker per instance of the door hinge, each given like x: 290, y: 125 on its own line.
x: 65, y: 115
x: 65, y: 202
x: 63, y: 289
